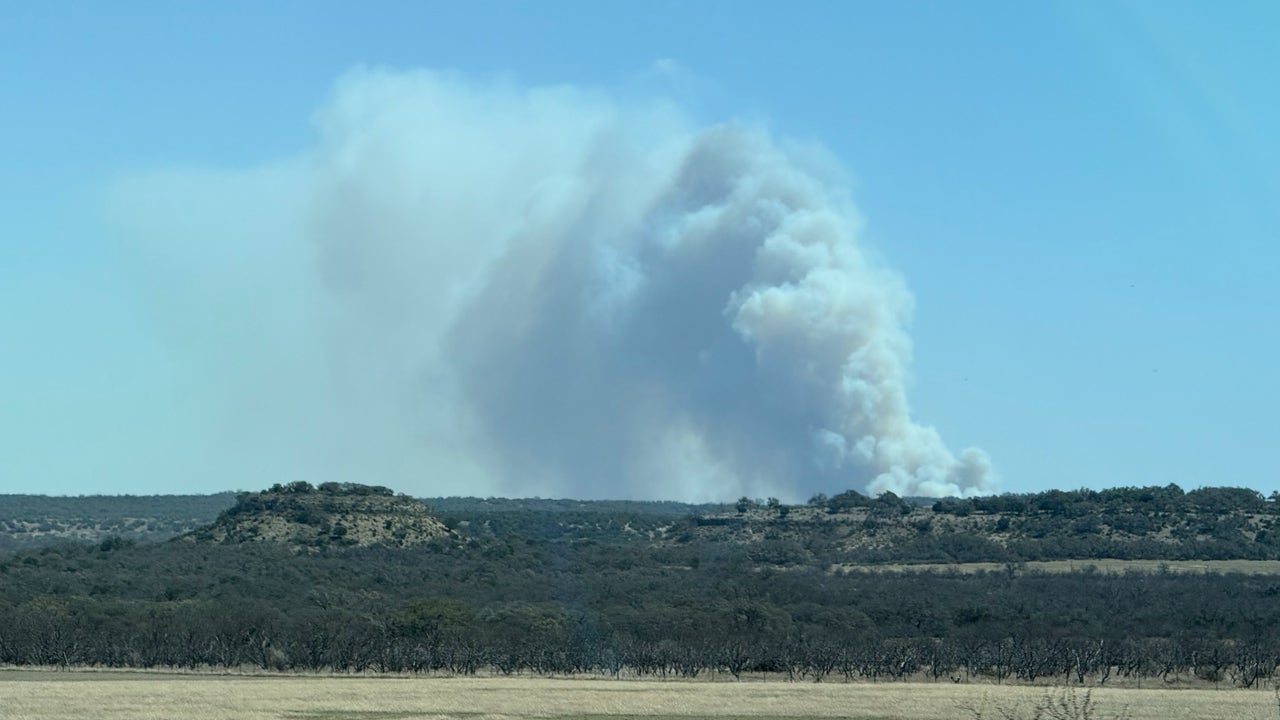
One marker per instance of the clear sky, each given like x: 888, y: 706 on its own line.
x: 1081, y: 196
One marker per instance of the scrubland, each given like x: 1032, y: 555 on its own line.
x: 58, y: 696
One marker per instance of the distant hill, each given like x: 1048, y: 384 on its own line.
x: 1157, y: 523
x: 28, y: 521
x: 1150, y: 523
x: 489, y: 505
x: 342, y: 514
x: 32, y: 521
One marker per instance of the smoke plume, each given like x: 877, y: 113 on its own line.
x: 482, y: 288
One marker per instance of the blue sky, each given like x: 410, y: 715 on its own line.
x: 1080, y: 196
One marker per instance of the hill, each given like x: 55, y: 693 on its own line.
x: 1143, y: 523
x: 342, y: 514
x: 33, y: 521
x: 1153, y: 523
x: 28, y: 521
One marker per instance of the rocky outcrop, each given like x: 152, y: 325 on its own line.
x: 332, y: 514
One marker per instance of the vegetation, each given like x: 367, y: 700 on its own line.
x: 539, y: 586
x: 28, y: 521
x: 1156, y: 523
x: 1066, y: 703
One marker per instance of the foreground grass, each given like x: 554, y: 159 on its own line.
x: 45, y: 696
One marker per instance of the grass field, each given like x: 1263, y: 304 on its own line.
x: 1248, y: 567
x: 49, y: 696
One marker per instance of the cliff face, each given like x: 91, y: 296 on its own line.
x: 342, y: 514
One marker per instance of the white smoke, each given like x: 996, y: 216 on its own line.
x: 482, y: 288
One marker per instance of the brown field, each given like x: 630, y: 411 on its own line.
x: 124, y: 696
x: 1248, y: 567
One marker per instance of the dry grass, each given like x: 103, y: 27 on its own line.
x: 44, y: 696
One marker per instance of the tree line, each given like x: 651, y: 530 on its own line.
x: 511, y: 604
